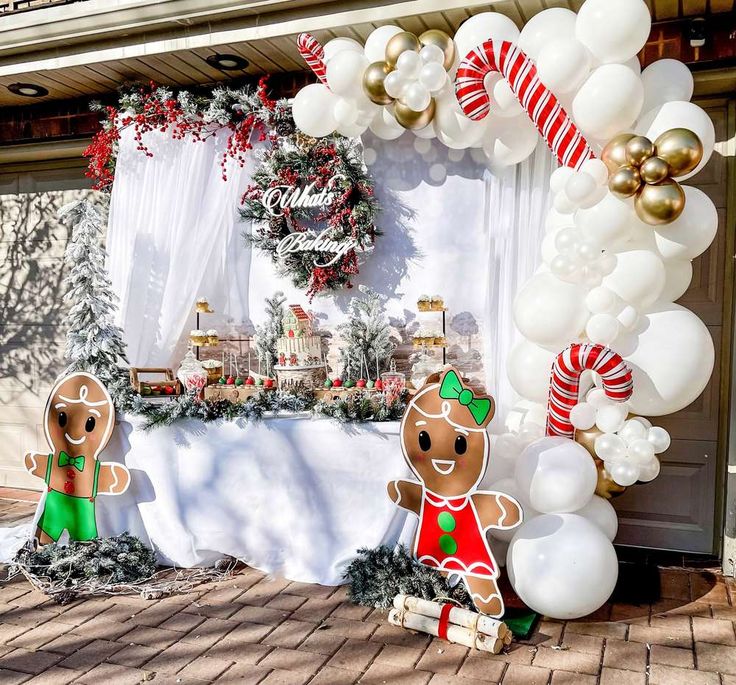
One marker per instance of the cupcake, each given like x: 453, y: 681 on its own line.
x: 437, y: 303
x: 212, y: 337
x: 198, y: 337
x: 424, y: 303
x: 214, y: 370
x: 203, y: 306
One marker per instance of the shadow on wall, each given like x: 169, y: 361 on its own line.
x: 32, y: 306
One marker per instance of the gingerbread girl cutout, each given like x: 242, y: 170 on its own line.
x: 78, y: 421
x: 445, y: 443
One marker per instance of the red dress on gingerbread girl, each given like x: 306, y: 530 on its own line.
x: 445, y: 443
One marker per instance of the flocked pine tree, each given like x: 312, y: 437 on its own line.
x: 270, y: 332
x: 366, y: 337
x: 93, y: 343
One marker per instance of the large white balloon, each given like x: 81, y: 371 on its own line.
x: 345, y: 73
x: 528, y: 368
x: 680, y: 114
x: 313, y: 108
x: 671, y: 356
x: 693, y: 231
x: 609, y: 101
x: 563, y: 64
x: 600, y: 512
x: 375, y: 44
x: 556, y: 23
x: 549, y: 311
x: 666, y: 80
x: 385, y: 126
x: 678, y: 275
x: 336, y: 45
x: 607, y: 223
x: 509, y: 141
x: 638, y: 278
x: 613, y: 31
x: 562, y: 565
x: 453, y: 128
x: 556, y: 475
x: 480, y: 27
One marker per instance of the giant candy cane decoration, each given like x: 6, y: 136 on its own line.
x: 564, y: 384
x: 543, y: 108
x: 313, y: 54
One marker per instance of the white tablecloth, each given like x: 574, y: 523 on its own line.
x: 291, y: 496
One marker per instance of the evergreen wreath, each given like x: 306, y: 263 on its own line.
x: 297, y: 160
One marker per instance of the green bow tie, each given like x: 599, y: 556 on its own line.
x: 452, y: 389
x: 76, y: 462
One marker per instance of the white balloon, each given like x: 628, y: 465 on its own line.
x: 336, y: 45
x: 597, y: 397
x: 609, y: 101
x: 548, y: 311
x: 623, y: 472
x: 680, y: 114
x: 650, y: 471
x: 509, y: 141
x: 430, y: 54
x: 628, y: 316
x: 313, y: 108
x: 563, y: 204
x: 395, y: 84
x: 608, y: 223
x: 610, y: 447
x: 505, y: 103
x: 678, y: 275
x: 693, y: 231
x: 632, y: 430
x: 634, y: 65
x: 671, y: 356
x: 601, y: 300
x: 659, y: 438
x: 641, y: 451
x: 600, y: 512
x: 427, y: 132
x: 556, y: 23
x: 563, y: 64
x: 375, y: 45
x: 556, y: 475
x: 610, y: 418
x: 613, y: 31
x: 433, y: 76
x: 528, y: 368
x: 580, y: 186
x: 345, y: 73
x: 638, y: 278
x: 385, y: 126
x: 453, y: 128
x: 582, y: 416
x: 409, y: 63
x: 597, y: 169
x: 416, y: 97
x: 508, y: 486
x: 345, y: 111
x: 602, y: 329
x: 559, y: 178
x: 666, y: 80
x: 562, y: 565
x: 480, y: 27
x: 351, y: 130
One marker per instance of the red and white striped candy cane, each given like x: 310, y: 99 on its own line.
x: 543, y: 108
x: 564, y: 384
x: 313, y: 54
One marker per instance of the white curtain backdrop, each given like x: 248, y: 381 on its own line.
x: 472, y: 237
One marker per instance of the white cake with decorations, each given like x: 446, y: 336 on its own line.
x: 299, y: 351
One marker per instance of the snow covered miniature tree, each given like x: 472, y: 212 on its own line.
x: 365, y: 337
x: 93, y: 343
x: 270, y: 332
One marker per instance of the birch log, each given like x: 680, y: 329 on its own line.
x: 455, y: 634
x: 461, y: 617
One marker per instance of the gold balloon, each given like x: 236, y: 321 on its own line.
x: 625, y: 181
x: 373, y: 83
x: 606, y: 487
x: 661, y: 203
x: 654, y: 170
x: 639, y: 149
x: 443, y: 42
x: 614, y: 154
x: 399, y: 43
x: 408, y: 118
x: 681, y: 149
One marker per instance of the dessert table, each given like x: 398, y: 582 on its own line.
x: 292, y: 495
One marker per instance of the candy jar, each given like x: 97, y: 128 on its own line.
x: 191, y: 373
x: 394, y: 383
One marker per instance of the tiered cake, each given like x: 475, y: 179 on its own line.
x: 299, y: 352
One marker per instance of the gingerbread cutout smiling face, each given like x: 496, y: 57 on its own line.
x: 78, y: 420
x: 445, y: 443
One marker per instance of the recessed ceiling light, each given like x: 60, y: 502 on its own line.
x: 227, y: 62
x: 29, y: 90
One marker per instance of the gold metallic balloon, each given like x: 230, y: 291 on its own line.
x: 625, y: 181
x: 614, y: 154
x: 399, y: 43
x: 639, y: 149
x: 373, y: 83
x: 661, y: 203
x: 443, y: 42
x: 681, y: 149
x: 606, y: 487
x: 654, y: 170
x: 408, y: 118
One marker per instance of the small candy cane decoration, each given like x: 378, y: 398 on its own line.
x: 565, y: 382
x: 542, y: 107
x: 313, y: 54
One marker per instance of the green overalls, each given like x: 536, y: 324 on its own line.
x: 62, y: 511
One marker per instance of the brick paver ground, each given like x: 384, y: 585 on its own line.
x: 254, y: 629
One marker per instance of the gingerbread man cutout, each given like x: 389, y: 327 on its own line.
x: 445, y: 443
x: 78, y: 421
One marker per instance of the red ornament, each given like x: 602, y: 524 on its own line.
x: 169, y: 389
x: 337, y: 383
x: 230, y: 381
x: 268, y: 383
x: 379, y: 384
x: 250, y: 381
x: 360, y: 383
